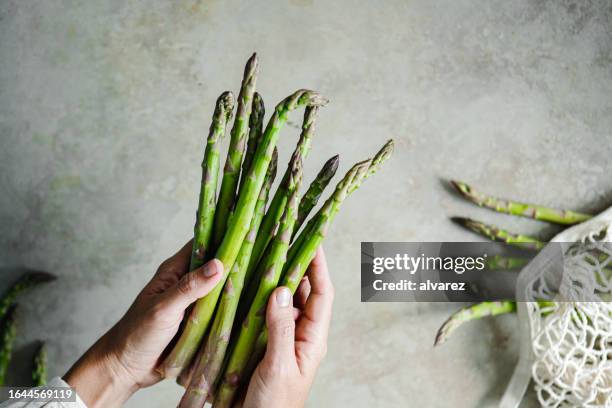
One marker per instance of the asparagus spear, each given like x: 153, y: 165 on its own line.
x: 478, y: 311
x: 537, y: 212
x: 255, y: 133
x: 210, y: 170
x: 184, y: 350
x: 497, y: 234
x: 277, y: 205
x: 39, y: 373
x: 252, y: 324
x: 473, y: 312
x: 26, y: 282
x: 9, y: 332
x: 211, y: 356
x: 311, y: 196
x: 231, y: 171
x: 303, y: 248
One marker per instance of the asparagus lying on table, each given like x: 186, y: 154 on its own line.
x: 208, y: 190
x: 245, y: 355
x: 497, y: 234
x: 201, y: 314
x: 478, y: 311
x: 537, y: 212
x: 210, y: 357
x: 483, y: 309
x: 23, y: 284
x: 231, y: 171
x: 9, y: 332
x: 473, y: 312
x: 39, y: 373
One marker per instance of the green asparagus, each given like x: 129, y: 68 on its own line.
x: 383, y: 154
x: 235, y: 375
x: 208, y: 190
x: 256, y: 121
x: 497, y: 234
x: 231, y: 171
x: 39, y: 373
x: 273, y: 264
x: 271, y: 220
x: 277, y: 205
x: 248, y: 352
x: 197, y: 323
x: 311, y: 196
x: 537, y: 212
x: 9, y: 332
x: 473, y: 312
x: 27, y: 281
x: 210, y: 359
x: 478, y: 311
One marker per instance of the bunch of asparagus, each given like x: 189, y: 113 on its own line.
x: 223, y: 336
x: 8, y: 319
x: 537, y: 212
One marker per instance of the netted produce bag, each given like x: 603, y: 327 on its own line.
x: 565, y: 318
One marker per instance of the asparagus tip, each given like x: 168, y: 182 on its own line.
x: 318, y: 100
x: 384, y: 153
x: 41, y: 276
x: 461, y: 187
x: 225, y: 104
x: 470, y: 224
x: 257, y: 110
x: 381, y: 156
x: 252, y: 62
x: 463, y: 221
x: 332, y: 164
x: 442, y: 334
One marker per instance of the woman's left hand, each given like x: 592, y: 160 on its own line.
x: 125, y: 358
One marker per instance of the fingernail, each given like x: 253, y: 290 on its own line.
x: 283, y: 297
x: 210, y: 269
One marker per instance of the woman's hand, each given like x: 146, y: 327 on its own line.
x: 125, y: 358
x: 297, y: 341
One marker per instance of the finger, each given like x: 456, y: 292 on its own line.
x: 178, y: 264
x: 194, y: 285
x: 319, y: 303
x: 313, y: 327
x: 302, y: 293
x: 281, y: 328
x: 170, y: 271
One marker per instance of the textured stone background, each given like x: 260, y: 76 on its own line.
x: 104, y: 104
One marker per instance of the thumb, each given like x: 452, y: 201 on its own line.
x: 281, y: 327
x: 194, y: 285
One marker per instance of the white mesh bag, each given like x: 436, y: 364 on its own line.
x: 566, y: 343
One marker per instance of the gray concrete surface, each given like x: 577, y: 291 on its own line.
x: 103, y: 106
